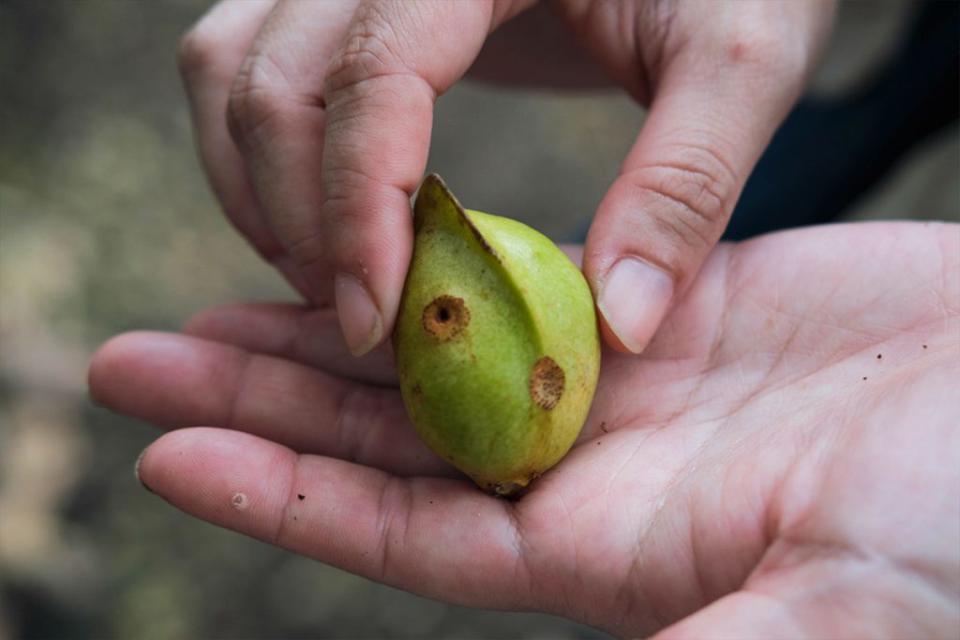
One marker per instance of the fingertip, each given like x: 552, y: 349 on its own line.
x: 634, y: 296
x: 117, y: 356
x: 182, y: 453
x: 229, y: 478
x: 156, y: 376
x: 136, y: 470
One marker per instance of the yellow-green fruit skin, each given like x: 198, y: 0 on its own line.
x: 496, y: 342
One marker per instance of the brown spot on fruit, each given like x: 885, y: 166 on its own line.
x: 546, y: 383
x: 445, y: 317
x: 507, y: 489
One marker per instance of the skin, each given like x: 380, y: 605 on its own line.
x: 313, y: 121
x: 780, y: 462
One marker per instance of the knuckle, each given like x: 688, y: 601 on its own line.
x: 690, y: 197
x: 396, y: 499
x: 369, y: 51
x: 353, y: 65
x: 197, y: 50
x: 343, y: 184
x: 256, y: 108
x: 351, y: 424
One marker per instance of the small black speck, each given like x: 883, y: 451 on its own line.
x: 924, y: 346
x: 864, y: 377
x: 300, y: 496
x: 294, y: 517
x: 598, y: 443
x: 879, y: 355
x: 431, y: 502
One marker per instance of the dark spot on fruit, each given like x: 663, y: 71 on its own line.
x: 508, y: 490
x: 864, y: 377
x: 300, y: 496
x: 546, y: 383
x: 416, y: 394
x: 879, y: 356
x: 924, y: 346
x: 445, y: 317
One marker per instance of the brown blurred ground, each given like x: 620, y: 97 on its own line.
x: 106, y: 225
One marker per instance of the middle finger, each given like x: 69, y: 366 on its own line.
x: 175, y: 381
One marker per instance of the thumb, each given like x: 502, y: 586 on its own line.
x: 707, y: 127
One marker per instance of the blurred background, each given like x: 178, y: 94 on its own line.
x: 106, y: 225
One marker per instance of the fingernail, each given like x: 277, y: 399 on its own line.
x: 359, y: 317
x: 634, y: 298
x: 136, y: 470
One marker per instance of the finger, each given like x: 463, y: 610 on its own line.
x: 209, y: 56
x: 312, y: 337
x: 438, y: 538
x: 175, y: 381
x: 350, y: 232
x: 274, y: 102
x: 396, y: 59
x: 309, y: 336
x: 714, y: 111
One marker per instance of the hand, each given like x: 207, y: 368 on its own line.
x: 780, y: 462
x: 313, y: 122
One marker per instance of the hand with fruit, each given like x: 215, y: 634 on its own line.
x: 780, y: 462
x: 313, y: 122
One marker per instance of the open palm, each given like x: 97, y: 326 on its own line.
x: 781, y: 460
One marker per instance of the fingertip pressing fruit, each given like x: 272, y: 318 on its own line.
x: 496, y: 341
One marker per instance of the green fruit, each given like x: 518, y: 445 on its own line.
x: 496, y: 343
